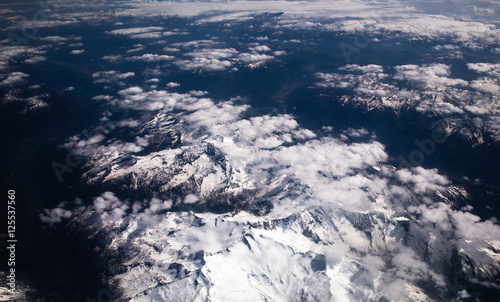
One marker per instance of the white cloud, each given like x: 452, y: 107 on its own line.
x: 476, y: 110
x: 14, y: 78
x: 195, y: 43
x: 173, y: 85
x: 128, y: 123
x: 260, y: 48
x: 423, y: 180
x: 113, y: 58
x: 203, y: 63
x: 489, y: 68
x: 55, y: 215
x: 137, y: 47
x: 441, y: 108
x: 190, y: 199
x: 77, y: 51
x: 150, y: 58
x: 371, y: 69
x: 10, y: 53
x: 356, y: 132
x: 449, y: 51
x: 171, y: 49
x: 213, y: 53
x: 35, y: 59
x: 431, y: 76
x: 253, y: 57
x: 110, y: 203
x: 334, y: 80
x: 207, y: 59
x: 150, y: 35
x: 486, y: 85
x: 330, y: 197
x: 135, y: 30
x: 55, y: 39
x: 111, y: 76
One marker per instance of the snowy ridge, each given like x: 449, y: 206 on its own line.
x: 233, y: 205
x: 469, y: 111
x: 314, y: 255
x: 334, y: 221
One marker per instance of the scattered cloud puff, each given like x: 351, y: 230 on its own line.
x: 195, y: 44
x: 128, y: 123
x: 172, y: 85
x: 213, y: 53
x: 171, y: 49
x: 431, y: 76
x: 35, y: 102
x: 110, y: 204
x: 253, y: 57
x: 150, y: 35
x: 213, y: 59
x: 59, y: 20
x: 137, y: 47
x: 423, y: 180
x: 55, y: 215
x: 111, y: 76
x: 489, y: 68
x: 203, y: 63
x: 77, y: 51
x: 35, y: 59
x: 361, y: 132
x: 372, y: 69
x: 227, y: 16
x: 365, y: 84
x: 207, y: 59
x: 487, y: 85
x: 10, y: 53
x: 190, y: 199
x: 113, y: 58
x: 476, y: 110
x: 446, y: 47
x: 260, y: 48
x: 372, y: 91
x: 14, y: 78
x: 87, y: 147
x: 149, y: 57
x: 449, y: 51
x: 54, y: 39
x: 333, y: 80
x: 440, y: 108
x: 136, y: 32
x: 58, y: 40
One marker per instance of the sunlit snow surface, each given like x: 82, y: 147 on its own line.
x: 216, y: 172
